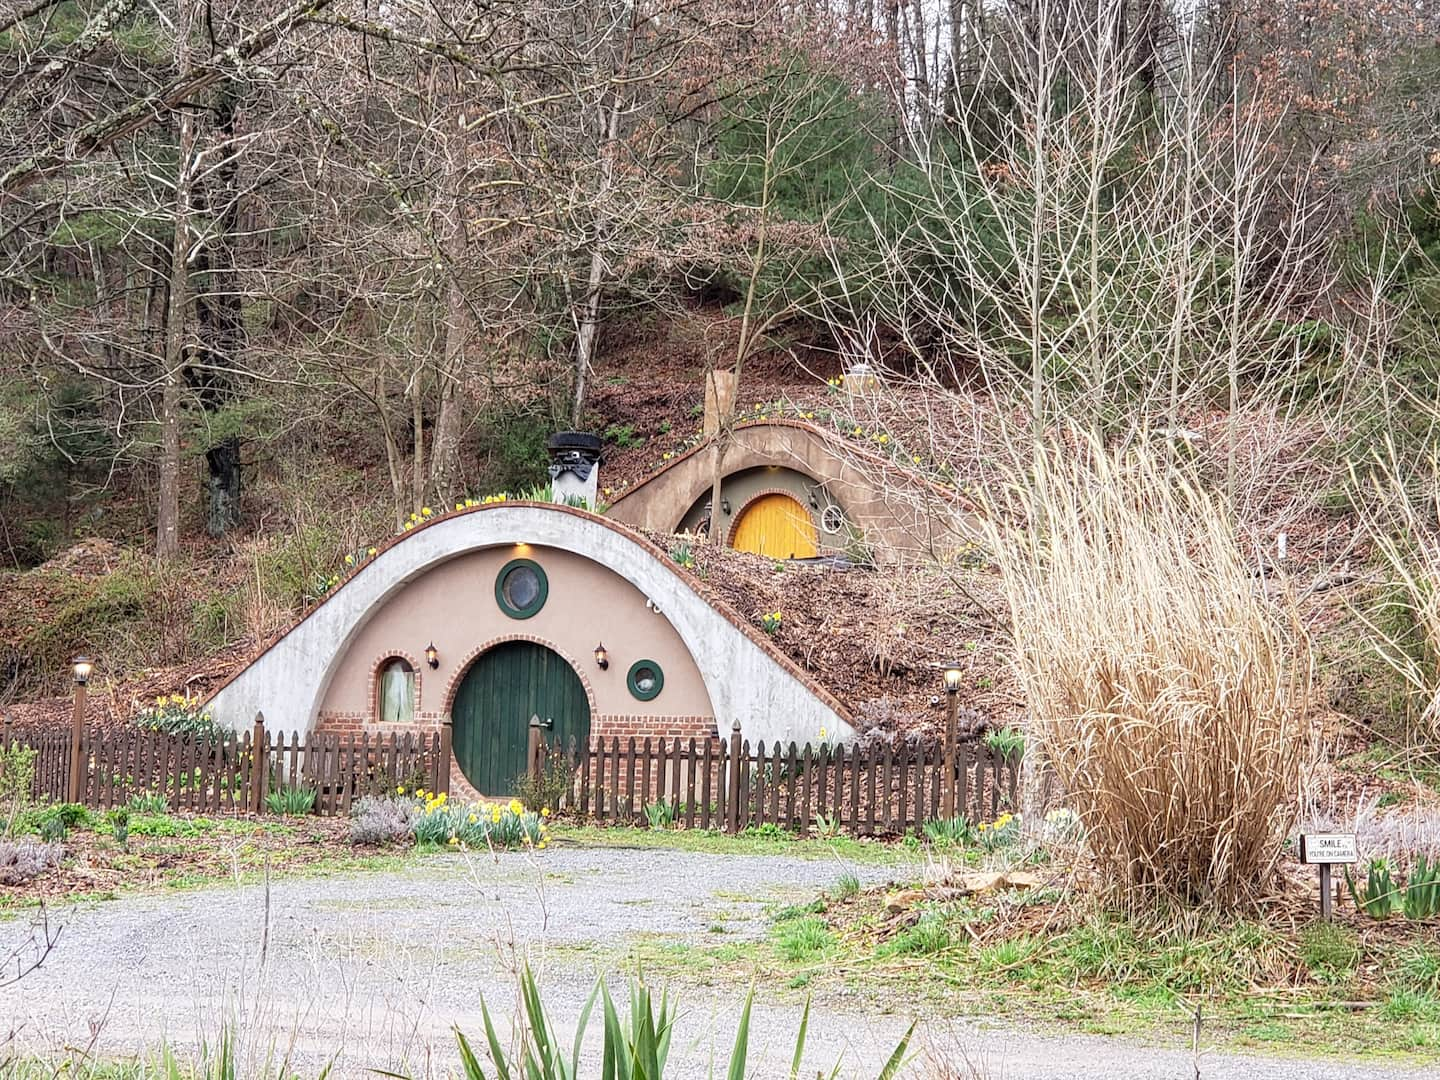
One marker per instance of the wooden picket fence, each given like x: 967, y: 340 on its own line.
x: 229, y: 775
x: 867, y: 790
x: 721, y: 784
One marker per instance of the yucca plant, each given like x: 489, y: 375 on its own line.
x: 636, y: 1047
x: 1380, y: 896
x: 1422, y: 890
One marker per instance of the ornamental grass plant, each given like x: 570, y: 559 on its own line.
x: 1169, y: 690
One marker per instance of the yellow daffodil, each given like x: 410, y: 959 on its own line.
x: 515, y: 807
x: 459, y: 506
x: 822, y: 733
x: 400, y: 790
x: 370, y: 551
x: 349, y: 560
x: 425, y: 511
x: 916, y: 459
x: 409, y: 525
x: 495, y: 813
x: 543, y: 843
x: 545, y: 811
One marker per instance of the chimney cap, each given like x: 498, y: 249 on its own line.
x: 571, y: 441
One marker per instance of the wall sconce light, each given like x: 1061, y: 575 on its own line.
x: 431, y: 656
x: 814, y: 500
x: 83, y: 667
x: 602, y: 658
x: 953, y: 676
x: 725, y: 505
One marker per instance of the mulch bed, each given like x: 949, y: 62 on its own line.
x: 95, y: 863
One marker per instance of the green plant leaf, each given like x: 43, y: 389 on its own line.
x: 800, y: 1041
x: 742, y: 1041
x: 892, y: 1066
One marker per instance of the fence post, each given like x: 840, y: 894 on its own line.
x: 5, y: 721
x: 259, y: 764
x: 77, y: 723
x: 532, y: 751
x: 442, y: 771
x: 732, y: 800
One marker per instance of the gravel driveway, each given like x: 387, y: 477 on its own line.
x: 373, y: 970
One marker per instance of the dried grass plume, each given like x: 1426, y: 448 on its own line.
x: 1168, y: 692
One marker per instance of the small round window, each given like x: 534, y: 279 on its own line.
x: 645, y: 680
x: 521, y: 588
x: 833, y: 519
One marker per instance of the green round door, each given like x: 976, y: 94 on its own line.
x: 503, y: 689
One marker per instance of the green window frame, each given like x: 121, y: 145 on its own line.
x: 541, y: 596
x: 638, y: 692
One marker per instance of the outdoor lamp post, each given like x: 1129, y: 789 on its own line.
x: 952, y: 709
x: 82, y: 668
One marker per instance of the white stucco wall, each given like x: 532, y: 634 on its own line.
x: 745, y: 680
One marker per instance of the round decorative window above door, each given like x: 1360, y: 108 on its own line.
x: 521, y: 588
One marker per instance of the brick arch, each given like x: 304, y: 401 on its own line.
x: 372, y: 709
x: 762, y: 493
x: 463, y: 668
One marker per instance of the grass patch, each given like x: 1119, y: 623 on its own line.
x: 802, y: 940
x: 1330, y: 952
x: 778, y: 842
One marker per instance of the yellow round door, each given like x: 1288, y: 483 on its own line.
x: 777, y: 526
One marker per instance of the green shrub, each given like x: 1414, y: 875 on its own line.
x: 17, y: 775
x: 291, y: 801
x: 623, y: 436
x: 551, y: 789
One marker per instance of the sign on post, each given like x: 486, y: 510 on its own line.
x: 1326, y: 850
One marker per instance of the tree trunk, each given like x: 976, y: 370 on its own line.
x: 167, y: 517
x: 219, y: 323
x: 445, y: 472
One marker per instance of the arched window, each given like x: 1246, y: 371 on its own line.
x: 397, y: 691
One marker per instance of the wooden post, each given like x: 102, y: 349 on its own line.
x: 732, y: 802
x: 447, y: 733
x: 947, y: 786
x: 532, y: 752
x: 1327, y: 897
x: 77, y: 724
x: 259, y: 764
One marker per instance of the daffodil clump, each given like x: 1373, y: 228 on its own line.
x: 483, y: 825
x: 771, y: 621
x: 178, y: 714
x: 1002, y: 832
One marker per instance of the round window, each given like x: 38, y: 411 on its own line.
x: 521, y: 588
x: 645, y: 680
x: 833, y: 519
